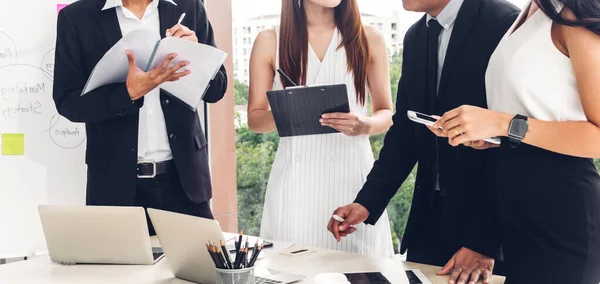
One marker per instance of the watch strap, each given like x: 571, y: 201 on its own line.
x: 513, y: 140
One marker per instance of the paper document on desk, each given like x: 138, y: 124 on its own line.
x: 150, y: 51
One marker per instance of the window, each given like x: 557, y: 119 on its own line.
x: 255, y: 153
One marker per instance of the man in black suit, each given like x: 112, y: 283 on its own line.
x: 444, y: 62
x: 144, y: 148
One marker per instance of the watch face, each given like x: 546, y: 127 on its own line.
x: 518, y: 128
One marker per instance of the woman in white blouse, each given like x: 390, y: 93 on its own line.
x: 543, y: 93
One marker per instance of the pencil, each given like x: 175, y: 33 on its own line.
x: 212, y: 255
x: 254, y: 250
x: 221, y: 258
x: 239, y: 243
x: 255, y: 256
x: 226, y: 253
x: 238, y: 258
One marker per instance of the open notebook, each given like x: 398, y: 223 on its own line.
x: 297, y: 110
x: 150, y: 51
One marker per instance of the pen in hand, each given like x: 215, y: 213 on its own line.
x: 181, y: 19
x: 168, y: 33
x: 284, y: 76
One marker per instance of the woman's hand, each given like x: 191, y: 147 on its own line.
x: 480, y: 145
x: 351, y: 124
x: 469, y: 123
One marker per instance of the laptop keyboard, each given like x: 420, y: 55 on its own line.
x: 260, y: 280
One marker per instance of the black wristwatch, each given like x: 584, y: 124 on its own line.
x: 517, y: 130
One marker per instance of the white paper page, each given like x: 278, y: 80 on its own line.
x: 113, y: 66
x: 205, y: 62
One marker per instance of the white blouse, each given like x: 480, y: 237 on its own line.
x: 528, y: 75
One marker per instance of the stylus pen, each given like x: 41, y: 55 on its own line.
x: 282, y: 74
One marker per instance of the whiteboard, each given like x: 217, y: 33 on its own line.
x: 52, y: 169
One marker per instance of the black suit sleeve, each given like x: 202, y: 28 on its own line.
x: 484, y: 235
x: 70, y: 77
x: 205, y: 34
x: 396, y: 160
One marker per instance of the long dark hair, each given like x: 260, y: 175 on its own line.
x: 587, y: 13
x: 293, y: 43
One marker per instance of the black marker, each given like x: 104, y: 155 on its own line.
x: 282, y: 74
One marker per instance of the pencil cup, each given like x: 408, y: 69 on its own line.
x: 235, y: 276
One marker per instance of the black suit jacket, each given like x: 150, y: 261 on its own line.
x: 478, y: 28
x: 85, y: 34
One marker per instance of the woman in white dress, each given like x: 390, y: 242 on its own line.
x: 322, y: 42
x: 543, y: 91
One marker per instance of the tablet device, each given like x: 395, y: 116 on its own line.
x: 415, y: 276
x: 297, y: 110
x: 367, y: 278
x: 430, y: 120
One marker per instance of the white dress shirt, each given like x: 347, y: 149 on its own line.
x: 446, y: 19
x: 153, y: 140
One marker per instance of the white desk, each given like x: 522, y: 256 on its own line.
x: 40, y: 270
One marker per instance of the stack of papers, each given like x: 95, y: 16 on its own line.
x: 149, y: 52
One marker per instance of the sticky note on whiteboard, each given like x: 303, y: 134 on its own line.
x: 59, y: 7
x: 13, y: 144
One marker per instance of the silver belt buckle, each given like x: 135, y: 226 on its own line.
x: 153, y: 169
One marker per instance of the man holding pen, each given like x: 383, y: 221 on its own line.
x: 143, y: 148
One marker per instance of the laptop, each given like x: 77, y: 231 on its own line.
x: 184, y: 238
x: 97, y: 235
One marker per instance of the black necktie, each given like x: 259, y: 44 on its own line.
x: 433, y: 33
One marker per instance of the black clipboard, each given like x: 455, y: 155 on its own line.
x: 297, y: 110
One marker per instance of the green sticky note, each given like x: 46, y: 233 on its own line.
x: 13, y: 144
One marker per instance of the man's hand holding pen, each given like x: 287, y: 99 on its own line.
x: 345, y: 218
x: 182, y: 31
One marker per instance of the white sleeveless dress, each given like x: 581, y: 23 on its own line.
x: 313, y: 175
